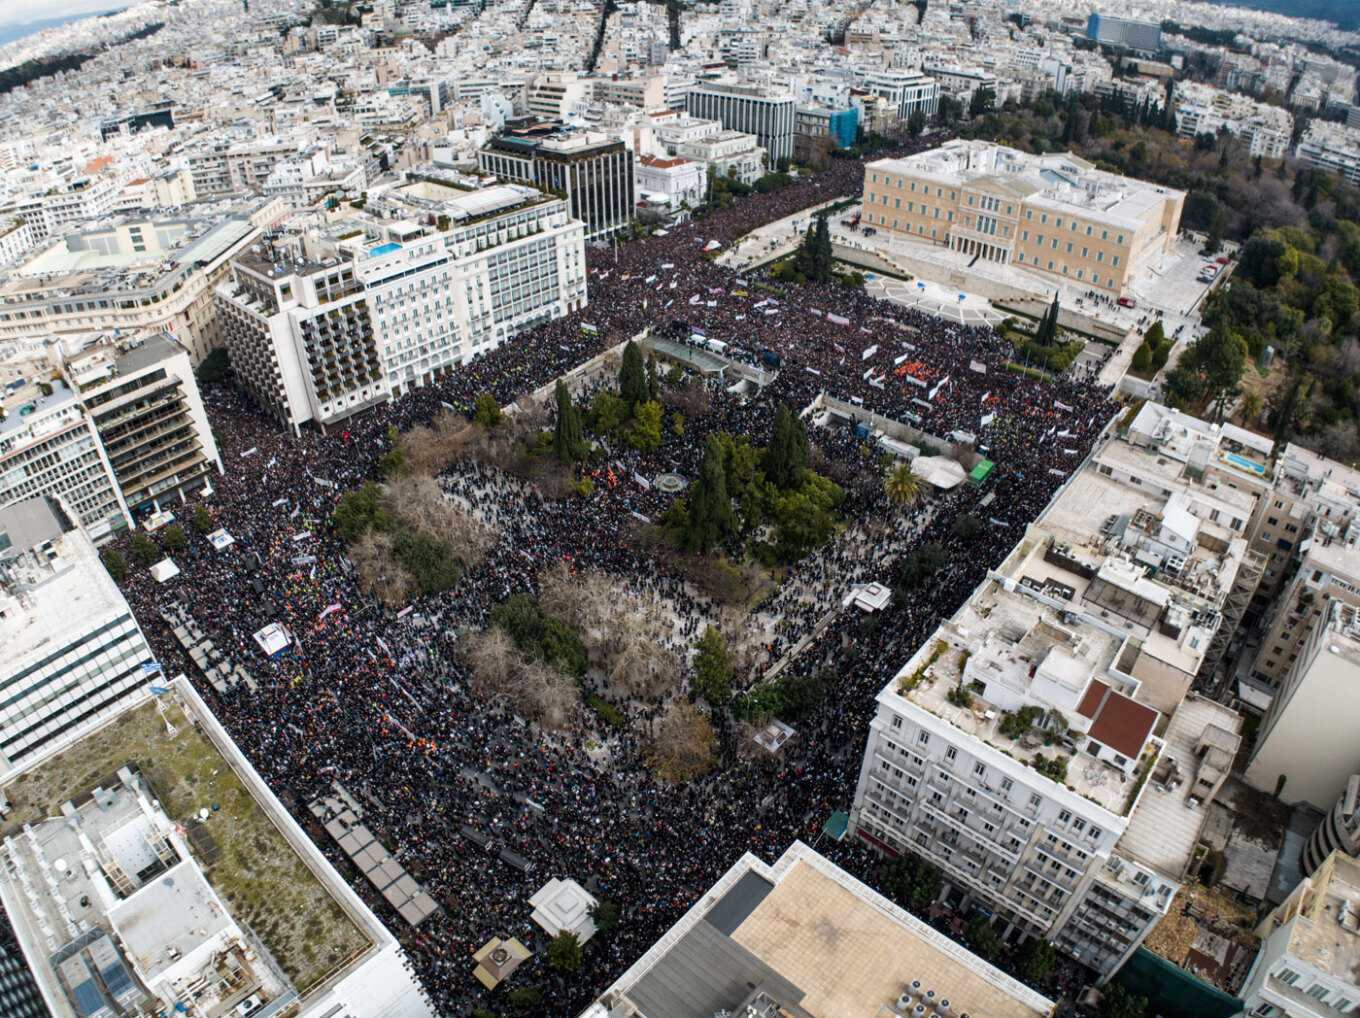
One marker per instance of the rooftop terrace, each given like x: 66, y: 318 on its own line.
x: 264, y: 881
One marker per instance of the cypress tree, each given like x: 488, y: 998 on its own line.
x: 710, y: 509
x: 653, y: 384
x: 632, y: 377
x: 786, y: 455
x: 567, y: 441
x: 822, y: 253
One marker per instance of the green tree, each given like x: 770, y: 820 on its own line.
x: 916, y: 123
x: 360, y: 511
x: 712, y: 667
x: 144, y: 550
x: 113, y: 562
x: 1117, y: 1002
x: 710, y: 509
x: 1034, y: 960
x: 174, y: 537
x: 568, y: 445
x: 646, y: 433
x: 564, y: 952
x: 607, y: 413
x: 523, y: 996
x: 982, y: 102
x: 487, y: 411
x: 1250, y: 406
x: 632, y: 377
x: 967, y: 526
x: 981, y: 937
x: 677, y: 424
x: 1142, y: 357
x: 605, y: 914
x: 428, y: 559
x: 203, y: 520
x: 823, y: 256
x: 902, y: 484
x: 1155, y: 335
x: 215, y: 366
x: 911, y: 881
x: 1219, y: 357
x: 786, y: 456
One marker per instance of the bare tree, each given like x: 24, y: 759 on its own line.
x: 421, y: 505
x: 684, y: 746
x: 379, y: 574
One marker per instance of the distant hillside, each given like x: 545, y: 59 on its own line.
x: 1345, y: 13
x: 9, y: 33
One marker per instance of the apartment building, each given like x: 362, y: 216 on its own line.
x: 83, y: 198
x: 553, y: 96
x: 321, y: 328
x: 1332, y: 147
x: 1306, y: 751
x: 1053, y: 214
x: 593, y: 170
x: 964, y: 82
x: 1339, y: 830
x: 644, y: 92
x: 49, y: 448
x: 1310, y: 948
x: 769, y: 115
x: 143, y: 401
x: 1310, y: 530
x: 1041, y: 749
x: 819, y: 129
x: 728, y: 154
x: 1201, y: 109
x: 803, y: 937
x: 904, y: 91
x: 673, y: 129
x: 74, y: 654
x: 135, y: 276
x: 236, y: 169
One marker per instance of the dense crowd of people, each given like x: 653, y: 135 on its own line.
x: 381, y: 703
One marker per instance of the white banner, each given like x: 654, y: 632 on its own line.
x: 642, y: 482
x: 977, y: 366
x: 869, y: 352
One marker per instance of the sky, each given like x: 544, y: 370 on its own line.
x: 21, y: 12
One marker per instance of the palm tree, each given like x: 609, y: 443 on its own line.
x: 902, y: 484
x: 1250, y: 407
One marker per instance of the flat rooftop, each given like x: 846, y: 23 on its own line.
x: 1010, y: 615
x: 817, y: 943
x: 266, y: 884
x: 65, y: 595
x: 1327, y: 935
x: 1165, y: 828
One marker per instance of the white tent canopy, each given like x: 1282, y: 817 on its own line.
x: 564, y: 905
x: 220, y: 539
x: 940, y: 472
x: 164, y: 570
x: 272, y: 639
